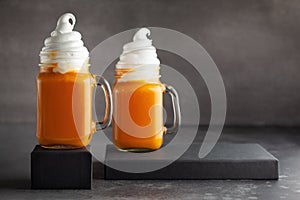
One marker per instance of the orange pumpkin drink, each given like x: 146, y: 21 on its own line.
x: 64, y: 90
x: 134, y: 99
x: 138, y: 98
x: 56, y: 121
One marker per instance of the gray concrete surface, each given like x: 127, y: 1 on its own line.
x: 282, y: 143
x: 255, y: 44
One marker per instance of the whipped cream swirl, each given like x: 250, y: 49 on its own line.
x: 65, y: 47
x: 140, y: 55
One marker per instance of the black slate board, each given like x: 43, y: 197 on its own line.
x: 225, y: 161
x: 61, y: 169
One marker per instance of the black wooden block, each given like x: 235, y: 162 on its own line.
x: 225, y: 161
x: 61, y: 169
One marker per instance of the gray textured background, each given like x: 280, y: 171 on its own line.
x: 255, y: 44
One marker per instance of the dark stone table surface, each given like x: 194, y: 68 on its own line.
x: 18, y: 140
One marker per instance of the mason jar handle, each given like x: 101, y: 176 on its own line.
x: 103, y: 83
x: 176, y: 109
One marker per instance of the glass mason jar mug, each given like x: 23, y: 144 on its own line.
x: 138, y: 109
x: 64, y: 107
